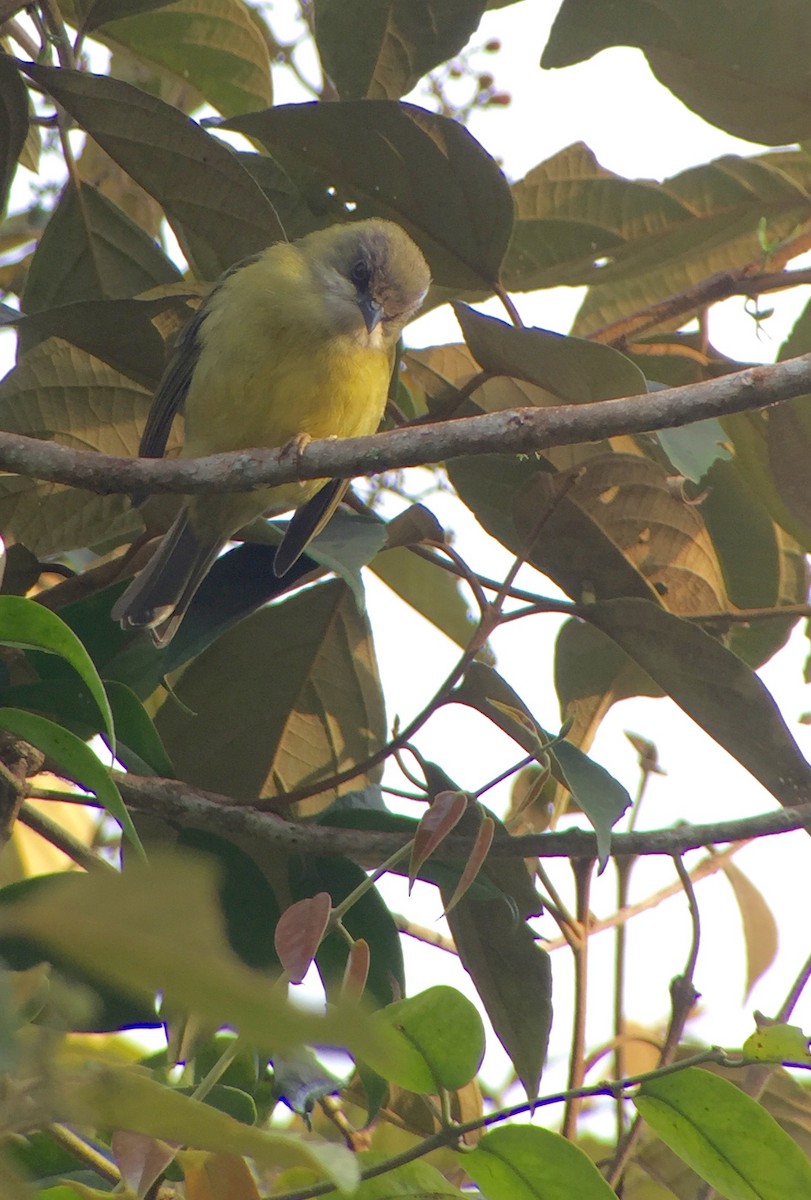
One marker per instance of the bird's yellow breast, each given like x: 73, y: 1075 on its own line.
x: 272, y: 367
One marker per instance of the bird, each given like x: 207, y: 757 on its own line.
x: 295, y: 343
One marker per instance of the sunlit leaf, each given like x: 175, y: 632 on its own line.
x: 725, y: 1136
x: 214, y: 46
x: 443, y: 1031
x: 528, y: 1163
x: 25, y: 623
x: 778, y: 1043
x: 759, y: 926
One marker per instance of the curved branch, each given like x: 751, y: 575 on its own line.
x: 517, y: 431
x: 182, y: 805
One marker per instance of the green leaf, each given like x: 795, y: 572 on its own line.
x: 693, y: 449
x: 725, y: 1136
x: 199, y: 182
x: 442, y: 1035
x: 127, y: 1098
x: 523, y: 1162
x: 602, y: 798
x: 572, y: 369
x: 76, y: 759
x: 738, y: 65
x: 91, y: 250
x: 715, y: 688
x: 418, y: 1179
x: 13, y: 124
x: 175, y: 945
x: 288, y: 696
x: 591, y: 674
x: 398, y: 161
x: 137, y: 734
x: 214, y: 46
x: 778, y: 1043
x: 26, y: 623
x: 393, y: 44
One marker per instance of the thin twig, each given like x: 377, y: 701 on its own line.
x: 59, y: 837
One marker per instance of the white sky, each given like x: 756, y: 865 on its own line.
x: 636, y: 128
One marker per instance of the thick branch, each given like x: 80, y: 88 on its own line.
x: 518, y: 431
x: 183, y: 806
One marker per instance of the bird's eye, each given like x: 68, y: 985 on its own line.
x: 359, y: 273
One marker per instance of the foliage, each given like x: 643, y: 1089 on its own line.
x: 251, y: 750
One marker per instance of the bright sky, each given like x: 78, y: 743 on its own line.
x: 636, y: 128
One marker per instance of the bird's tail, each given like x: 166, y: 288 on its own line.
x: 159, y: 595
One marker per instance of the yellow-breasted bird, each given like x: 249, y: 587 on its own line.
x: 298, y: 342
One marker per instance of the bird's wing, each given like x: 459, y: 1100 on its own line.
x: 174, y: 385
x: 171, y: 392
x: 306, y: 523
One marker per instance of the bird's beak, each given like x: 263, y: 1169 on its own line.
x: 371, y: 311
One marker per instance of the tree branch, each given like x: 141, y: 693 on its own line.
x: 517, y: 431
x: 184, y: 806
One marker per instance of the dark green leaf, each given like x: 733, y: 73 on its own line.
x: 137, y: 734
x: 198, y: 181
x: 91, y: 250
x: 602, y: 798
x: 13, y: 123
x: 26, y: 623
x: 739, y: 66
x: 398, y: 161
x: 393, y: 44
x: 246, y: 896
x: 572, y: 369
x: 713, y: 687
x: 96, y: 12
x: 512, y: 975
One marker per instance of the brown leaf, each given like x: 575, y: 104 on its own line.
x: 447, y: 809
x: 299, y: 931
x: 759, y: 925
x: 481, y: 847
x: 356, y: 971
